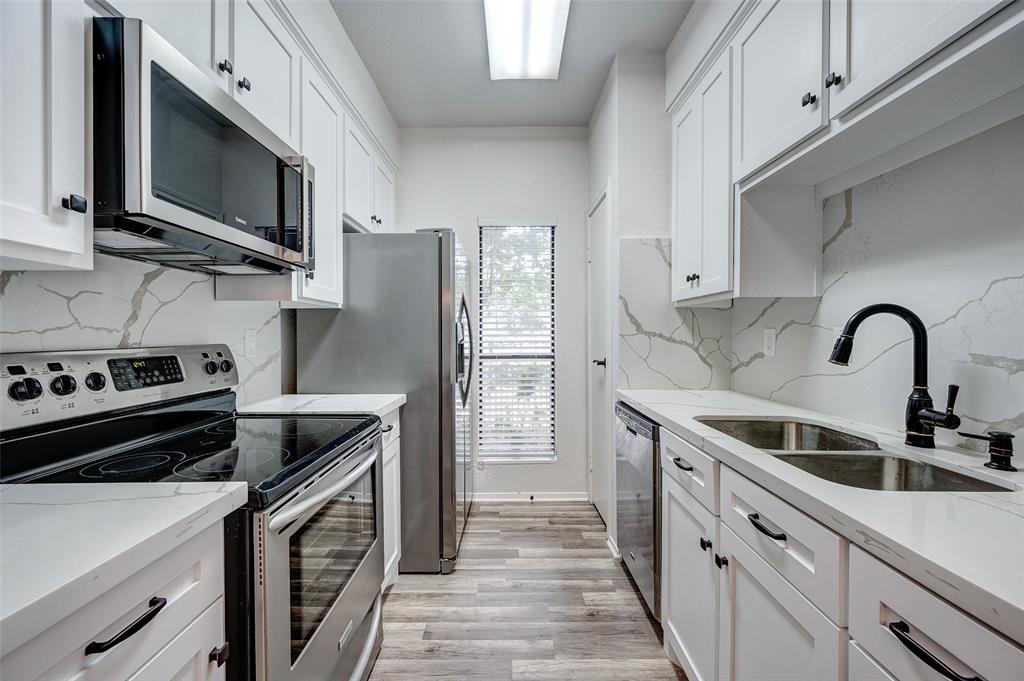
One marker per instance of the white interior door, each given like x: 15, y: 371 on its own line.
x: 600, y: 382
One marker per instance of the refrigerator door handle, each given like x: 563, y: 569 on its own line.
x: 468, y: 375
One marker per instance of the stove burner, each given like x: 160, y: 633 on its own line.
x: 130, y: 464
x: 230, y: 462
x: 226, y: 427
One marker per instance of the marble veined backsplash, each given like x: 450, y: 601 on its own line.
x: 125, y: 304
x: 943, y: 236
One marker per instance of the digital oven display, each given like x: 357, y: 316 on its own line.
x: 133, y: 373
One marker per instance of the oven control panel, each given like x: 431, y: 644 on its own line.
x: 41, y: 387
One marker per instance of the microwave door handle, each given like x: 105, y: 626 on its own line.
x: 290, y: 513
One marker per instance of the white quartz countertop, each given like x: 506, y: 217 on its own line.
x: 323, y: 405
x: 61, y: 546
x: 967, y: 547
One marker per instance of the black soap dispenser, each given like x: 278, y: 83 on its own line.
x: 1000, y: 448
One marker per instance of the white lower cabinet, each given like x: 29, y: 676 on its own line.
x: 392, y: 498
x: 862, y: 668
x: 767, y: 629
x: 689, y: 582
x: 187, y: 657
x: 913, y: 634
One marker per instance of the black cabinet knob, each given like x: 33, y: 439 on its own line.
x: 833, y: 79
x: 705, y: 544
x: 721, y: 561
x: 808, y: 99
x: 220, y: 655
x: 245, y: 84
x: 696, y: 276
x: 689, y: 278
x: 226, y: 66
x: 75, y: 202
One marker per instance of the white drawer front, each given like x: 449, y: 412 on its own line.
x: 808, y: 554
x: 187, y: 657
x: 190, y: 577
x: 391, y: 428
x: 690, y: 467
x: 863, y: 668
x: 881, y: 596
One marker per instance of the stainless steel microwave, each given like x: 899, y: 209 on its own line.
x: 183, y: 175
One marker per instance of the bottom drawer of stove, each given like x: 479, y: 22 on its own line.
x: 167, y: 595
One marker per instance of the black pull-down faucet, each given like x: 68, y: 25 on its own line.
x: 922, y: 418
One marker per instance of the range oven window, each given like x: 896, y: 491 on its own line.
x: 325, y: 553
x: 204, y: 163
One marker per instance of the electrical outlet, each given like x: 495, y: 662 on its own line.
x: 769, y: 342
x: 250, y: 342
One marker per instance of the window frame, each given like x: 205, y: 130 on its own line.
x: 499, y: 459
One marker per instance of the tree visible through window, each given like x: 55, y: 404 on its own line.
x: 517, y: 342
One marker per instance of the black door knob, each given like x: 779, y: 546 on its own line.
x: 26, y: 389
x: 832, y: 79
x: 226, y: 66
x: 63, y: 385
x: 808, y: 99
x: 210, y: 367
x: 95, y: 381
x: 75, y: 202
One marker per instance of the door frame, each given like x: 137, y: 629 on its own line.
x: 604, y: 198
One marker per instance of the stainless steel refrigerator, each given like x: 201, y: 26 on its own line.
x: 405, y: 328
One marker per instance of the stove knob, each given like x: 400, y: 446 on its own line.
x: 226, y: 365
x: 63, y: 385
x: 26, y: 389
x: 95, y: 381
x: 210, y: 367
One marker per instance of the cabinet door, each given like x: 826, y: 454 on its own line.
x: 187, y: 657
x: 323, y: 124
x: 42, y: 103
x: 767, y: 630
x: 392, y: 511
x: 196, y: 28
x: 383, y: 198
x: 689, y: 582
x: 779, y: 66
x: 871, y: 42
x: 358, y: 177
x: 686, y: 193
x: 266, y: 77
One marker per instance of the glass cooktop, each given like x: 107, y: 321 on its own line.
x: 266, y: 452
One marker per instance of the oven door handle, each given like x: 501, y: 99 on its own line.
x: 290, y: 513
x: 367, y: 652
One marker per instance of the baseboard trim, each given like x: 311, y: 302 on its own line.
x: 613, y: 548
x: 525, y: 496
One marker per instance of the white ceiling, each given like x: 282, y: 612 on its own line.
x: 429, y: 58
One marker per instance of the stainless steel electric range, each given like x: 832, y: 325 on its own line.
x: 304, y: 558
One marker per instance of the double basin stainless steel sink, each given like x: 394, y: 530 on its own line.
x: 846, y: 459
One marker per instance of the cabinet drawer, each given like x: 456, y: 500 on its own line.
x: 190, y: 577
x: 882, y: 599
x: 862, y: 668
x: 808, y: 554
x: 187, y: 657
x: 690, y: 467
x: 391, y: 428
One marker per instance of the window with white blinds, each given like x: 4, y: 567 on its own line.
x: 517, y: 342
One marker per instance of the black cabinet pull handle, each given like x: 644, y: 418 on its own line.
x: 600, y: 362
x: 678, y: 461
x: 75, y: 202
x: 704, y: 544
x: 808, y: 99
x: 155, y: 606
x: 755, y: 520
x: 220, y: 655
x: 245, y: 84
x: 388, y: 428
x: 721, y: 561
x: 226, y: 66
x: 901, y: 630
x: 833, y: 79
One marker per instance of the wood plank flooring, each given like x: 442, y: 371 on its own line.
x: 535, y: 596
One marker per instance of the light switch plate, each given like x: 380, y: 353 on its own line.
x: 769, y: 342
x: 250, y: 342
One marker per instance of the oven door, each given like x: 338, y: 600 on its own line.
x: 319, y: 569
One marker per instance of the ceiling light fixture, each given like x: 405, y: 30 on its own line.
x: 525, y: 38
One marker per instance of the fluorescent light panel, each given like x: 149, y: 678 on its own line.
x: 525, y: 38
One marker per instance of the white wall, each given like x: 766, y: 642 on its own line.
x: 125, y: 304
x: 451, y: 177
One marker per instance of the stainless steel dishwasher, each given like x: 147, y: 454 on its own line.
x: 638, y: 502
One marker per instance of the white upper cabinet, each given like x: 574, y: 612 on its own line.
x: 779, y: 80
x: 201, y: 33
x: 873, y: 42
x: 43, y: 195
x: 359, y: 177
x: 266, y: 68
x: 702, y: 217
x: 383, y: 198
